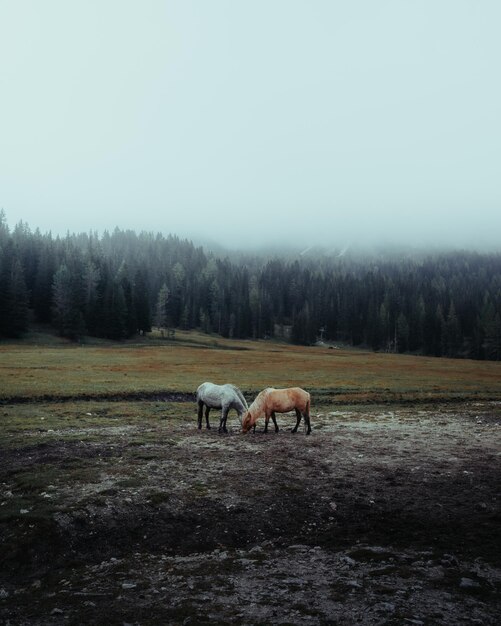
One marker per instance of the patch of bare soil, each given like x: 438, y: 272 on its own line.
x: 384, y: 515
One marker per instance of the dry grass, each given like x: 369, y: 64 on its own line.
x: 32, y: 371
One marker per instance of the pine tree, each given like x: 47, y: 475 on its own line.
x: 451, y: 338
x: 130, y: 309
x: 111, y: 309
x: 14, y: 296
x: 385, y: 328
x: 4, y: 230
x: 117, y: 311
x: 42, y: 291
x: 175, y: 305
x: 302, y: 327
x: 66, y: 314
x: 161, y: 309
x: 141, y: 302
x: 491, y: 327
x: 255, y: 306
x: 402, y: 333
x: 92, y: 296
x: 416, y: 325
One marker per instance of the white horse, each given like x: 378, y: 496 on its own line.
x: 224, y: 397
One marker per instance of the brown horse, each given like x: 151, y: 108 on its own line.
x: 271, y: 401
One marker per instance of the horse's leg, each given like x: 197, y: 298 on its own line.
x: 298, y: 418
x: 274, y: 421
x: 200, y: 413
x: 224, y: 417
x: 266, y: 420
x: 207, y: 410
x: 307, y: 420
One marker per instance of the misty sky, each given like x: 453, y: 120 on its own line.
x: 251, y: 121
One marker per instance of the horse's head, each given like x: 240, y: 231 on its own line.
x: 246, y: 422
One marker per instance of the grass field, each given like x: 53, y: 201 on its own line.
x: 113, y: 503
x: 67, y: 370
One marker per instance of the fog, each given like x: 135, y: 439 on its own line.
x: 254, y: 124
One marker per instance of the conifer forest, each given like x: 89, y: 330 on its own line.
x: 117, y: 285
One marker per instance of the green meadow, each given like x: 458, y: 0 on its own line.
x: 52, y: 370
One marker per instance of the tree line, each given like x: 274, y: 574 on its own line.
x: 119, y: 284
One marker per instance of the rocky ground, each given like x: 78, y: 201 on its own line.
x: 384, y: 515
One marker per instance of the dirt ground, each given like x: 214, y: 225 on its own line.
x: 384, y: 515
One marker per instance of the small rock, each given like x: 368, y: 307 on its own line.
x: 435, y: 573
x: 354, y: 584
x: 449, y: 561
x: 3, y: 594
x: 468, y: 583
x: 24, y: 511
x: 56, y: 611
x: 129, y: 585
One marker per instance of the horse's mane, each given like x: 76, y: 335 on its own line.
x: 240, y: 395
x: 259, y: 401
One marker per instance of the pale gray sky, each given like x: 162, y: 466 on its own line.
x: 244, y: 120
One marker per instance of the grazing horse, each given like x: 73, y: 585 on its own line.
x: 271, y: 401
x: 224, y: 397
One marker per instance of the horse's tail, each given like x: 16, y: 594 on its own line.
x: 308, y: 405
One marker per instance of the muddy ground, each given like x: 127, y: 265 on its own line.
x: 384, y: 515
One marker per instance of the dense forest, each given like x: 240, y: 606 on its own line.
x: 120, y: 284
